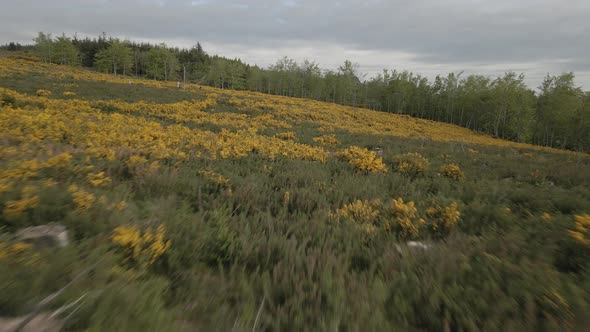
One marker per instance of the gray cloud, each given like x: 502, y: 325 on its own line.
x: 428, y: 36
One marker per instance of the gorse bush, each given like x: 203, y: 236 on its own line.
x: 442, y: 220
x: 15, y: 209
x: 412, y: 164
x: 452, y: 171
x: 141, y: 248
x: 287, y: 135
x: 581, y: 233
x: 43, y: 93
x: 18, y: 253
x: 326, y: 140
x: 365, y: 214
x: 405, y: 220
x: 363, y: 160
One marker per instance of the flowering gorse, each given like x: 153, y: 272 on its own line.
x: 363, y: 160
x: 452, y: 171
x: 581, y: 233
x: 442, y: 219
x: 327, y: 140
x: 412, y: 164
x: 404, y: 220
x: 141, y: 248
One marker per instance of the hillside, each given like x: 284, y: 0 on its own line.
x: 202, y: 208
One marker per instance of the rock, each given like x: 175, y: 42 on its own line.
x: 50, y: 235
x: 43, y: 322
x: 417, y: 244
x: 412, y: 246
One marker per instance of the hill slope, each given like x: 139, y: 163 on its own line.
x: 198, y: 204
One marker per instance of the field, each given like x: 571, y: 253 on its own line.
x: 205, y: 209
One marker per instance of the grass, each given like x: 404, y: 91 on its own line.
x: 266, y: 225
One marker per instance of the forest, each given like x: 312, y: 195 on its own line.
x: 557, y: 114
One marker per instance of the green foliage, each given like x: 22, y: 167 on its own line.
x: 117, y: 57
x: 161, y: 63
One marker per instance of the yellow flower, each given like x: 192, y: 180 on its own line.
x: 215, y: 177
x: 141, y: 248
x: 15, y: 209
x: 406, y: 222
x: 452, y: 171
x: 288, y: 135
x: 363, y: 160
x: 82, y: 199
x: 412, y: 164
x: 43, y: 93
x: 361, y: 211
x: 98, y: 179
x: 547, y: 217
x: 582, y: 231
x: 326, y: 139
x: 62, y: 160
x: 443, y: 219
x: 19, y: 252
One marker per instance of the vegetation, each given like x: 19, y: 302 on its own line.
x: 198, y: 208
x: 556, y: 115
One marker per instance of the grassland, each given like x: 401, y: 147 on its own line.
x: 195, y: 206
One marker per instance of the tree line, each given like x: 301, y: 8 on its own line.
x: 556, y: 115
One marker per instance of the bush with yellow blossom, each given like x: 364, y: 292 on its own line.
x: 15, y: 209
x: 404, y: 220
x: 83, y: 199
x: 19, y: 253
x: 364, y: 213
x: 327, y: 140
x: 43, y: 93
x: 581, y: 233
x: 287, y: 135
x: 452, y: 171
x: 412, y: 164
x: 363, y: 160
x: 141, y: 248
x: 443, y: 219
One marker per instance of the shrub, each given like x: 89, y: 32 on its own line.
x: 452, y: 171
x: 14, y: 210
x: 43, y: 93
x: 547, y: 217
x: 582, y: 231
x: 412, y: 164
x: 214, y: 177
x: 363, y: 160
x: 326, y: 139
x: 363, y: 213
x: 288, y: 135
x: 141, y: 249
x: 404, y: 219
x: 443, y: 219
x: 17, y: 253
x: 83, y: 199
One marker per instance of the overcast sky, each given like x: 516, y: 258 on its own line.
x: 425, y: 36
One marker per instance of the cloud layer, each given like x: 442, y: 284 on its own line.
x: 426, y: 36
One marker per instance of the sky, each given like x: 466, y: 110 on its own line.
x: 428, y: 37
